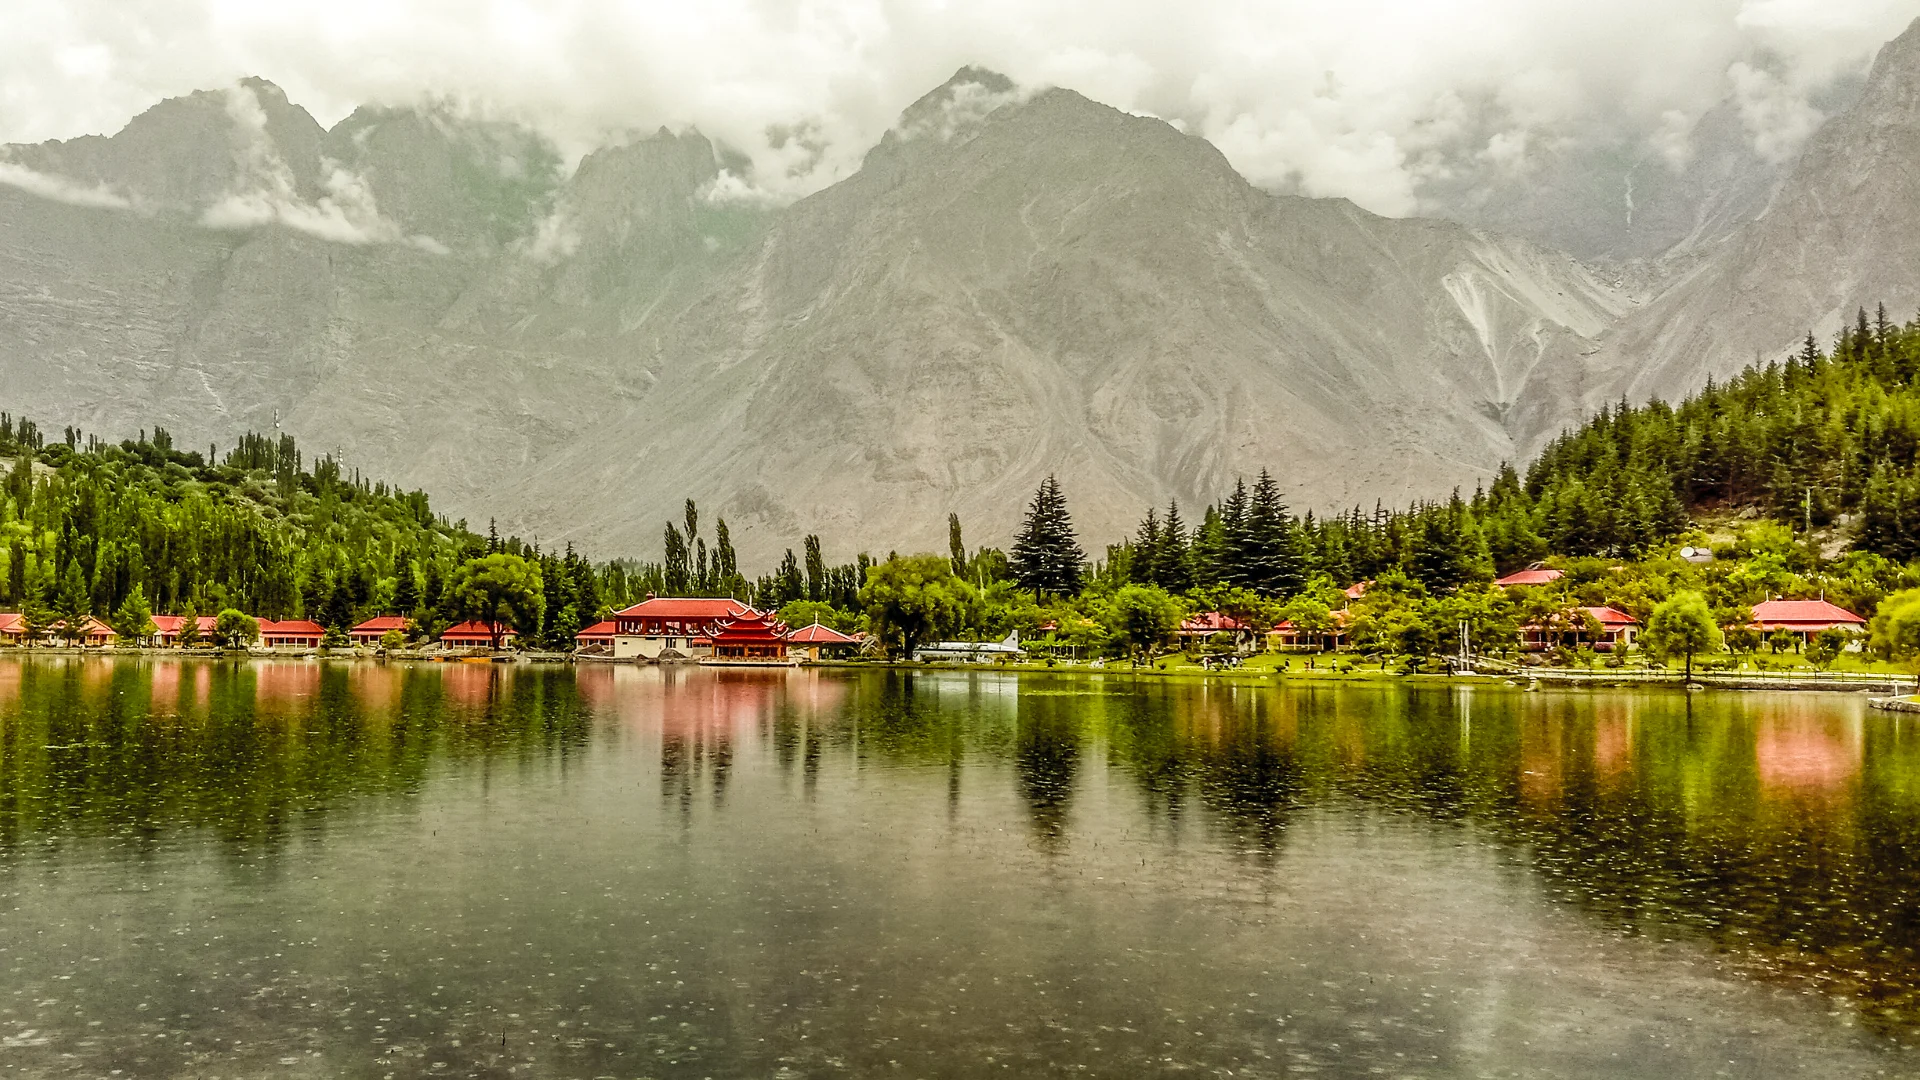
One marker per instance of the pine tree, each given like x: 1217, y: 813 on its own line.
x: 1173, y: 562
x: 1144, y: 567
x: 406, y: 590
x: 1237, y: 547
x: 1272, y: 564
x: 1047, y: 558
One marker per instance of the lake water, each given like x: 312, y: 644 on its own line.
x: 294, y: 869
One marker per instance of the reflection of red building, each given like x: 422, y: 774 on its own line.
x: 1806, y: 753
x: 751, y: 636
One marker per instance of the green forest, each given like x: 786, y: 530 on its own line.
x: 1800, y: 476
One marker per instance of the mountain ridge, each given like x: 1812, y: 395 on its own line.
x: 1016, y: 282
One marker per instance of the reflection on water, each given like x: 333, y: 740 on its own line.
x: 371, y: 870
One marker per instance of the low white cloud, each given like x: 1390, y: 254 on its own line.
x: 1777, y: 117
x: 60, y: 189
x: 267, y: 192
x: 1370, y: 99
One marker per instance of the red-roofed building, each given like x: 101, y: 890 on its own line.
x: 1205, y: 624
x: 1285, y: 637
x: 1358, y: 589
x: 663, y: 625
x: 13, y: 627
x: 168, y: 627
x: 473, y: 634
x: 753, y: 637
x: 1534, y: 576
x: 370, y: 632
x: 599, y: 635
x: 816, y: 641
x: 291, y: 634
x: 1804, y: 618
x: 1616, y: 629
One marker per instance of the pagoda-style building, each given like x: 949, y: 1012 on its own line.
x: 672, y: 627
x: 751, y: 636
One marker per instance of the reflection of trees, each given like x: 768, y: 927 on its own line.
x: 1046, y: 756
x: 91, y: 748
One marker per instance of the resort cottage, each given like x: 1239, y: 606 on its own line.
x: 1196, y: 629
x: 368, y: 634
x: 473, y: 634
x: 1616, y: 629
x: 754, y: 636
x: 291, y: 634
x: 1804, y: 618
x: 672, y: 627
x: 818, y: 642
x: 1286, y: 637
x: 598, y: 638
x: 1532, y: 576
x: 167, y: 629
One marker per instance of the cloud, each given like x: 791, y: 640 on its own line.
x: 268, y: 194
x: 60, y: 189
x: 1370, y: 99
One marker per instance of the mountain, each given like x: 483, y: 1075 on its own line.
x: 1617, y: 201
x: 1011, y: 287
x: 1014, y: 283
x: 1842, y: 232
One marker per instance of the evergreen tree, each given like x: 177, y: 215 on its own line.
x: 1047, y: 559
x: 1173, y: 563
x: 1145, y: 564
x: 406, y: 589
x: 1272, y: 564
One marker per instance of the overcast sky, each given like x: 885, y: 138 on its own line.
x: 1361, y: 98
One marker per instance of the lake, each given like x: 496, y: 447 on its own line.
x: 300, y: 869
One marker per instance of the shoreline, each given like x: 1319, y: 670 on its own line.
x: 1901, y: 693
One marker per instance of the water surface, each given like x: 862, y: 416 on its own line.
x: 354, y: 870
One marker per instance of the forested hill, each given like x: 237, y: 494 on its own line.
x: 1823, y: 438
x: 83, y: 522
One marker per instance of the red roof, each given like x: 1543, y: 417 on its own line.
x: 1209, y: 622
x: 598, y: 630
x: 1358, y: 589
x: 171, y: 624
x: 1802, y: 615
x: 473, y: 630
x: 1340, y: 620
x: 9, y: 622
x: 1610, y: 616
x: 753, y: 629
x: 820, y: 635
x: 380, y: 624
x: 684, y: 607
x: 1530, y: 577
x: 291, y: 628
